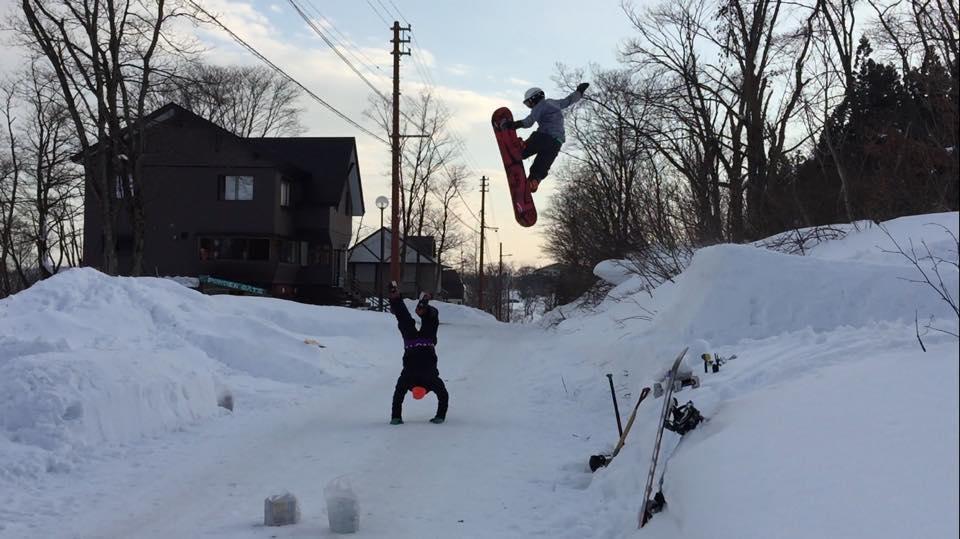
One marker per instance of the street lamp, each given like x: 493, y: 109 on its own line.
x: 382, y: 203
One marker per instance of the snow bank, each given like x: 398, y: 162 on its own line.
x: 734, y: 292
x: 832, y: 422
x: 87, y: 359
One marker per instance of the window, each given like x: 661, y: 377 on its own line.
x: 237, y: 188
x: 290, y: 252
x: 234, y: 249
x: 284, y: 193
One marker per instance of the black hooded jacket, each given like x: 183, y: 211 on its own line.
x: 419, y: 354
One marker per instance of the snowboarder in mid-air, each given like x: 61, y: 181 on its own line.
x: 419, y: 374
x: 546, y: 141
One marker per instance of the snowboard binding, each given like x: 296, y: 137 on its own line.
x: 712, y: 362
x: 678, y: 384
x: 684, y: 418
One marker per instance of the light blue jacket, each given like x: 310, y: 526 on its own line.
x: 548, y: 114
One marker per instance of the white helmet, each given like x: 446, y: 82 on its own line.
x: 532, y: 96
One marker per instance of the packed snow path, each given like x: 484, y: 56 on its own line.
x: 474, y: 476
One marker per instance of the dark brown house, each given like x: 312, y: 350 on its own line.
x: 272, y: 213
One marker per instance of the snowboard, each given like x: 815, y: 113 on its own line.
x: 664, y: 413
x: 511, y: 151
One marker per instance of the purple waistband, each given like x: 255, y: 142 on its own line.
x: 418, y: 342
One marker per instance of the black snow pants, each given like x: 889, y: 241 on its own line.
x: 546, y: 149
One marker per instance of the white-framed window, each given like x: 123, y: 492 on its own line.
x: 284, y: 193
x: 237, y: 188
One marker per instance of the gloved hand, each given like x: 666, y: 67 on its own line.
x: 582, y: 87
x: 507, y: 124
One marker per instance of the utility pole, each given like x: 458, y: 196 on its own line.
x: 483, y: 228
x: 395, y: 148
x: 500, y: 286
x: 504, y: 296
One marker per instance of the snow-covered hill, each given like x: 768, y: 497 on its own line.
x: 831, y: 422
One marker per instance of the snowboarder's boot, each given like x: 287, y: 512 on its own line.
x: 396, y: 421
x: 437, y: 420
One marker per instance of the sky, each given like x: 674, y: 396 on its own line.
x: 475, y: 56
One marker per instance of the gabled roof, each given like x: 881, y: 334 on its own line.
x: 327, y: 159
x: 367, y: 251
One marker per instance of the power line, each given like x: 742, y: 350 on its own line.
x: 404, y: 19
x: 378, y: 13
x: 372, y: 66
x: 329, y: 43
x: 276, y: 68
x: 428, y: 81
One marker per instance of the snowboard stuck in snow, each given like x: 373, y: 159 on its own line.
x: 667, y: 404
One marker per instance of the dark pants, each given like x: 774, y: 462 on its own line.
x: 546, y: 149
x: 433, y: 383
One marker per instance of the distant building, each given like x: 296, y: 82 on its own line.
x: 452, y: 287
x: 419, y: 269
x: 267, y: 213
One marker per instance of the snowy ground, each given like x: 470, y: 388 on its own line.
x: 832, y: 422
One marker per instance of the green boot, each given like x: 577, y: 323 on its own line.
x: 396, y: 421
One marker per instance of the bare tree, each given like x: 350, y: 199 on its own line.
x: 52, y: 179
x: 912, y: 30
x: 687, y: 130
x: 248, y: 101
x: 11, y: 173
x: 105, y: 56
x: 441, y: 222
x: 427, y: 150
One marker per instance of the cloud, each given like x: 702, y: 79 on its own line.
x: 458, y: 69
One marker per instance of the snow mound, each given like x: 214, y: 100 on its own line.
x: 87, y: 359
x: 734, y: 292
x: 614, y: 271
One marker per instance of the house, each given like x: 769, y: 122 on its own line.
x: 452, y: 287
x: 268, y: 213
x: 419, y: 269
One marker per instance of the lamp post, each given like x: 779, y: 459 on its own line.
x: 382, y: 203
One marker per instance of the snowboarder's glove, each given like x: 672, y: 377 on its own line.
x: 582, y: 87
x: 507, y: 124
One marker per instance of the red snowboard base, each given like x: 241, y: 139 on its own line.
x: 511, y: 150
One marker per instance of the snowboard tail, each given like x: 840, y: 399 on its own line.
x: 511, y: 151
